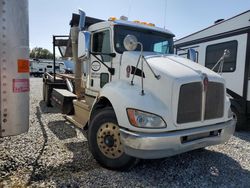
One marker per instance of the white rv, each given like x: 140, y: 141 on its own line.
x: 209, y: 44
x: 39, y: 66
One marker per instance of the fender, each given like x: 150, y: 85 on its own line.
x: 122, y: 95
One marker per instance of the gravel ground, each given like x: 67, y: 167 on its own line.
x: 55, y: 154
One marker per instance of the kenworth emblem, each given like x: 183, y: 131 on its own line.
x: 205, y: 81
x: 128, y: 70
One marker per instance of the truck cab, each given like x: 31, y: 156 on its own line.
x: 138, y: 100
x: 107, y: 37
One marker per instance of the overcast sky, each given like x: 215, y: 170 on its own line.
x: 183, y: 17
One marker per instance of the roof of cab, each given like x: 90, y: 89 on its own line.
x: 129, y: 24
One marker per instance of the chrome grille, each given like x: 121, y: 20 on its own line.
x: 214, y: 101
x: 189, y: 106
x: 190, y: 102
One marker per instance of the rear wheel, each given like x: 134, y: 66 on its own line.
x: 105, y: 144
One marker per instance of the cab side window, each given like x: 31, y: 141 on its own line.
x: 101, y: 44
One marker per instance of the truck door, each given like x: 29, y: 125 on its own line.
x: 99, y: 74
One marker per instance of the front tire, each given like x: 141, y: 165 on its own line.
x: 105, y: 144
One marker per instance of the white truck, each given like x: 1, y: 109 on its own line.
x: 14, y: 67
x: 209, y: 44
x: 39, y: 66
x: 138, y: 100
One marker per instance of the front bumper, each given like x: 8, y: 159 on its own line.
x: 159, y: 145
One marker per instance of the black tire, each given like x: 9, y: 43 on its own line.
x: 102, y: 119
x: 240, y: 119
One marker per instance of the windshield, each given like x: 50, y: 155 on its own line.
x: 152, y: 41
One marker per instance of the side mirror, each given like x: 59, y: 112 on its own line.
x: 191, y: 54
x: 83, y: 44
x: 130, y: 42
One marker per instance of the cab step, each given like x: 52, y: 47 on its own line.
x: 81, y: 115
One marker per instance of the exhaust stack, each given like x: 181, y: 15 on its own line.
x: 74, y: 31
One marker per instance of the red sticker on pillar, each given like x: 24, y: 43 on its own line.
x: 21, y: 85
x: 22, y: 66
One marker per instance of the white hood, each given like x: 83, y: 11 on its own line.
x: 174, y: 72
x: 171, y: 66
x: 180, y: 68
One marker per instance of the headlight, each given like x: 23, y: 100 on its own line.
x: 144, y: 119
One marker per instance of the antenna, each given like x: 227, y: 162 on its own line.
x: 129, y: 7
x: 165, y: 14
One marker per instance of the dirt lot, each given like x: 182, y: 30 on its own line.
x: 55, y: 154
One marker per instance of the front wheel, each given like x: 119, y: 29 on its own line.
x: 105, y: 144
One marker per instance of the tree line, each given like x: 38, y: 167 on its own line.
x: 40, y: 53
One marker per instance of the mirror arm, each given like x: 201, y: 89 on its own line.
x: 111, y: 70
x: 220, y: 62
x: 155, y: 75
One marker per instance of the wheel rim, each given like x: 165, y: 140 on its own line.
x: 108, y: 140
